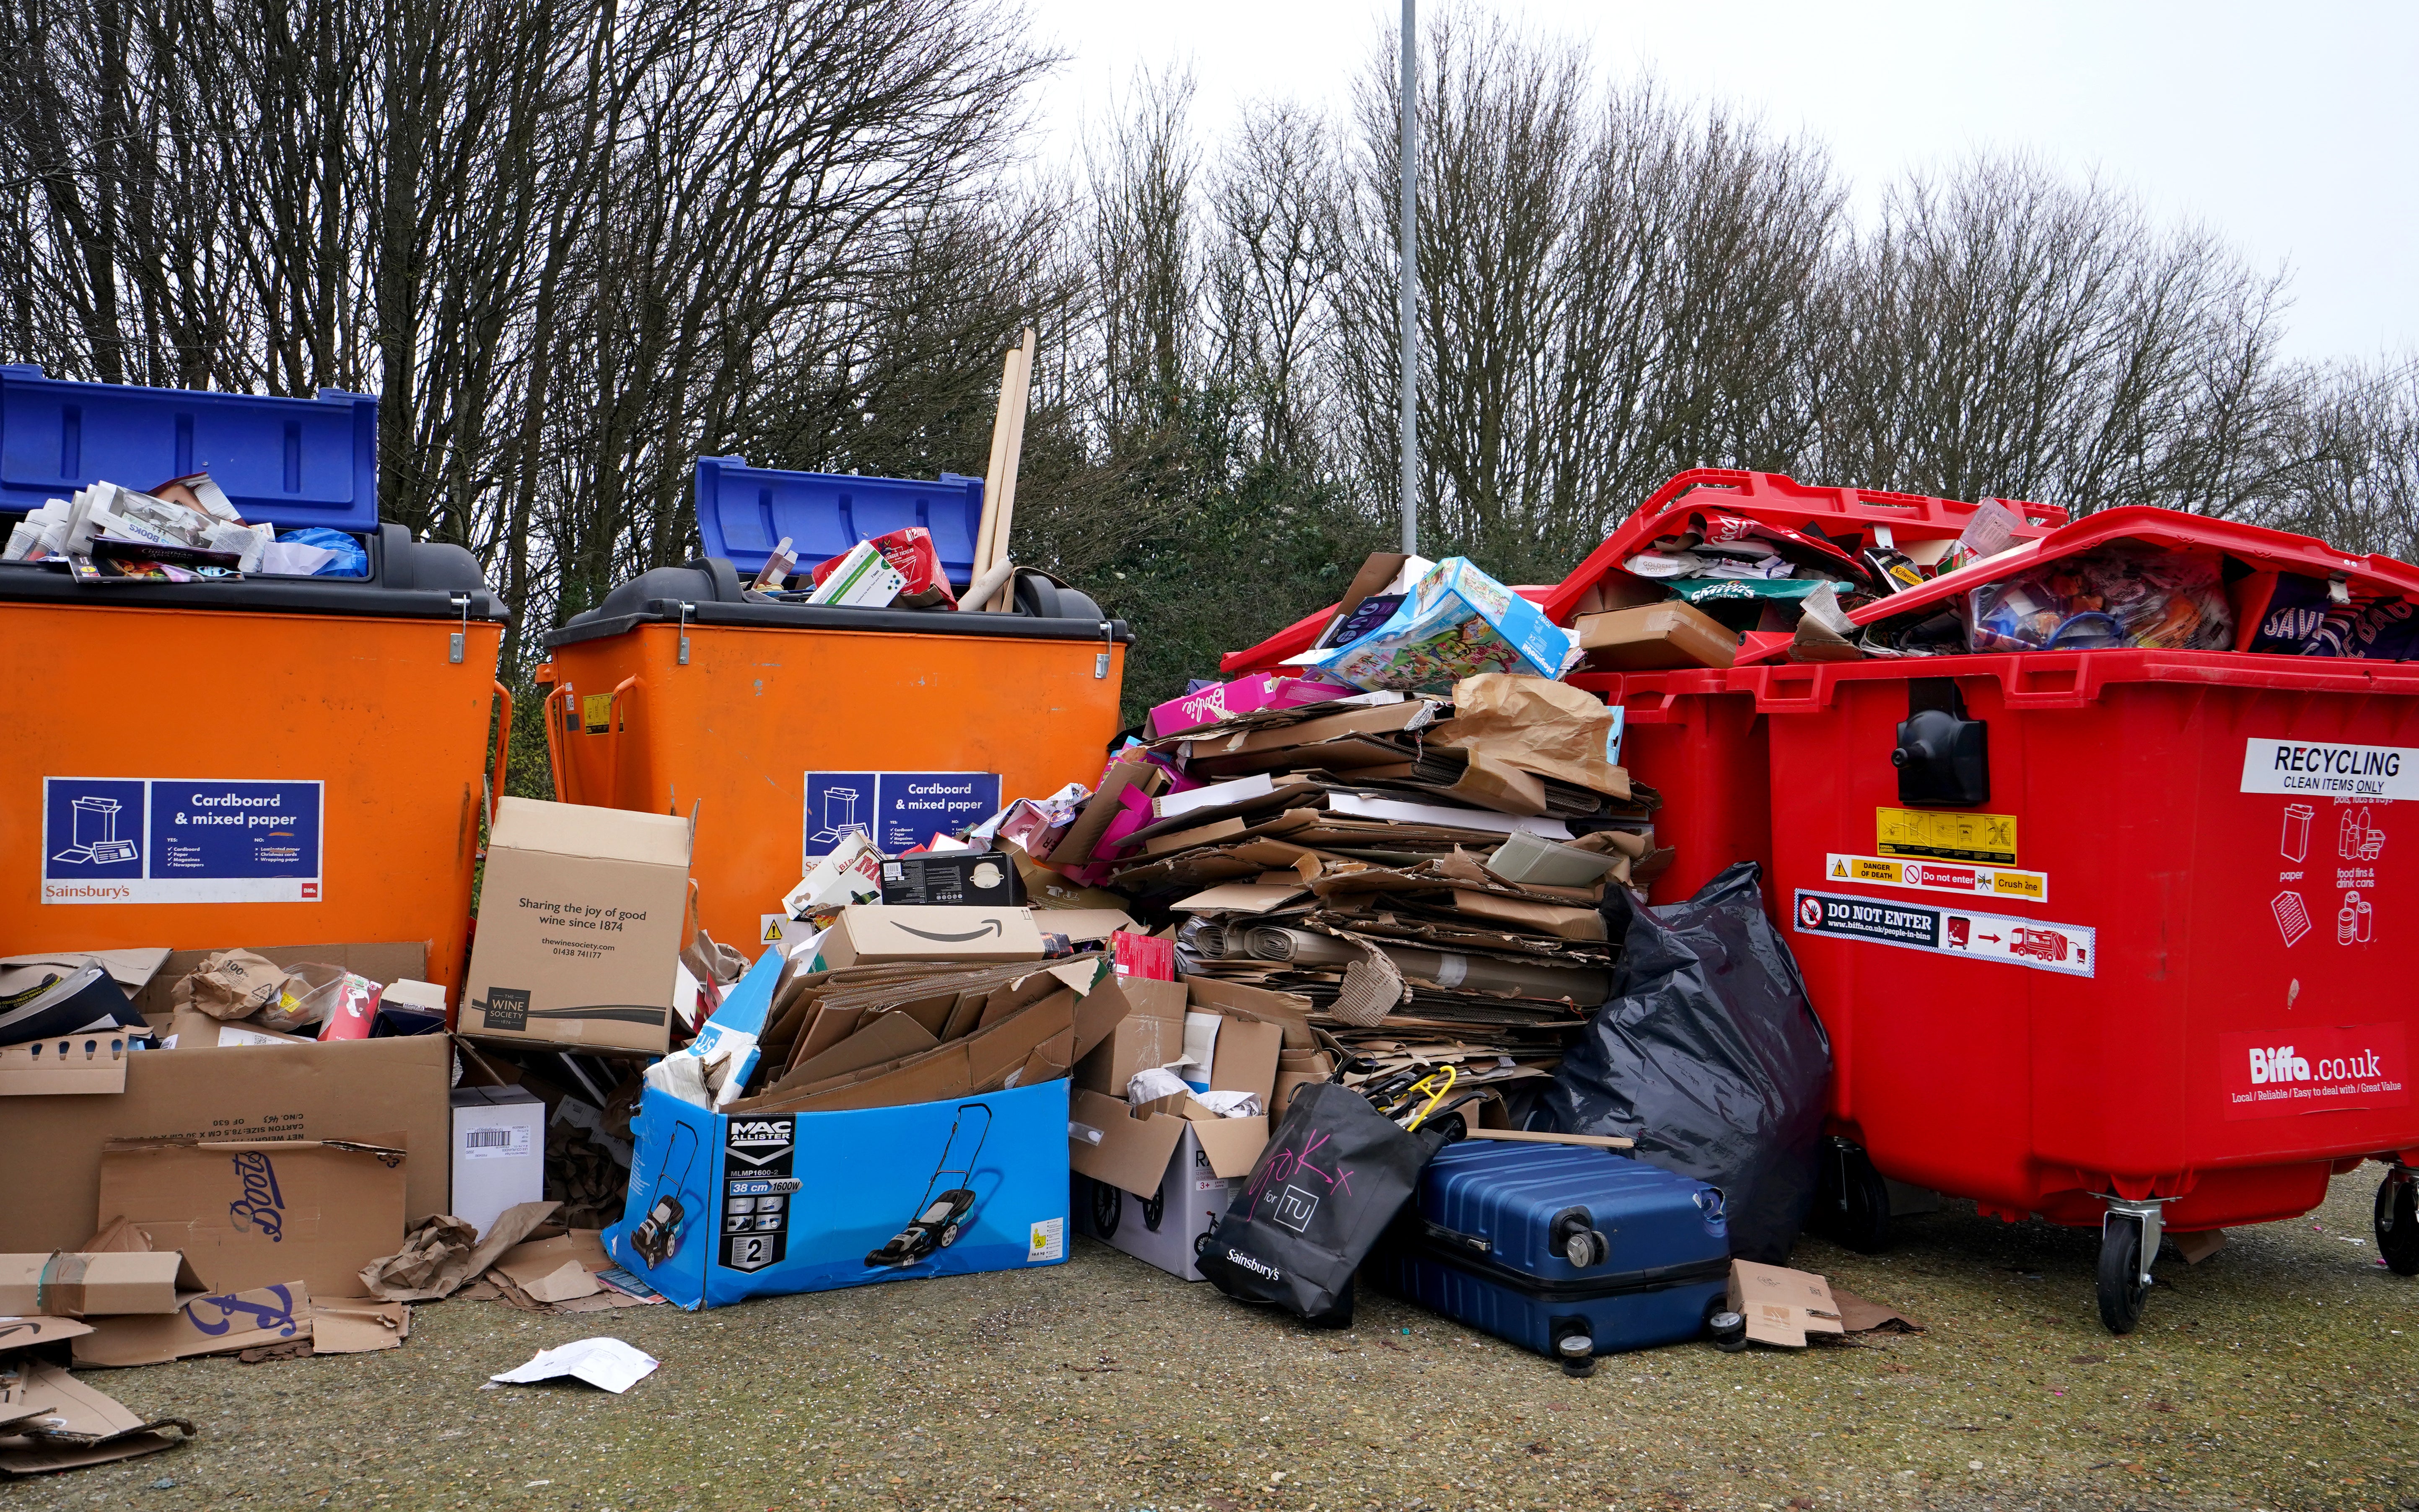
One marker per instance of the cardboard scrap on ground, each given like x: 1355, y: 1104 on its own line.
x: 561, y: 1275
x: 1790, y: 1308
x: 444, y: 1254
x: 263, y: 1317
x: 79, y: 1425
x: 1783, y: 1306
x: 356, y: 1325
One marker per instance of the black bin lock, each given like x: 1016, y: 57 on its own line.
x: 1943, y: 758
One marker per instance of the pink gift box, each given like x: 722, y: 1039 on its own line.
x: 1244, y: 695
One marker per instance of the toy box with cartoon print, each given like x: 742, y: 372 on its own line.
x: 724, y: 1207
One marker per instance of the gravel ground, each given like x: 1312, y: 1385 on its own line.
x: 2275, y: 1374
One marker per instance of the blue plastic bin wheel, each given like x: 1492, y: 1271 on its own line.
x: 744, y: 511
x: 287, y: 462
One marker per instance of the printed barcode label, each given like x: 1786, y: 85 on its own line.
x: 496, y: 1143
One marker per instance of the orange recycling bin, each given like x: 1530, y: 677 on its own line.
x: 780, y: 725
x: 261, y: 762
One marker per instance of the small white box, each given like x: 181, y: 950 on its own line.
x: 499, y: 1152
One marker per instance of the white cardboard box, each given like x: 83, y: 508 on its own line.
x: 499, y: 1152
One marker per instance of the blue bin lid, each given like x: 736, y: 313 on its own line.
x: 289, y: 461
x: 744, y: 511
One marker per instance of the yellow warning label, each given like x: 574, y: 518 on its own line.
x: 595, y: 712
x: 1915, y: 831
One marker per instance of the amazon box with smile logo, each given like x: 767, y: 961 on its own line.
x: 579, y: 928
x: 871, y: 933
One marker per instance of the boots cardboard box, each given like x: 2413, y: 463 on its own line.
x: 579, y: 928
x: 251, y: 1214
x: 357, y: 1090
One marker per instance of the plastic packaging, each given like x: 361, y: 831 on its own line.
x: 2120, y: 595
x: 1711, y: 1058
x: 350, y: 560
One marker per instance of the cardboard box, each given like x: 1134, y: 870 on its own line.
x: 359, y: 1090
x: 71, y: 1285
x: 1657, y: 636
x: 251, y: 1213
x: 1780, y: 1306
x: 1457, y: 622
x: 1151, y: 1033
x: 962, y: 879
x: 90, y: 1062
x: 724, y: 1207
x: 380, y: 961
x: 192, y: 1029
x: 499, y: 1152
x: 1152, y: 1185
x: 861, y: 577
x: 1244, y: 695
x: 580, y: 922
x: 870, y: 934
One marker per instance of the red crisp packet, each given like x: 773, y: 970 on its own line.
x: 911, y: 552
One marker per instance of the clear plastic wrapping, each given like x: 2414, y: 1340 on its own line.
x: 2117, y: 596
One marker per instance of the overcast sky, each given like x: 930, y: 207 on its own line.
x: 2292, y: 130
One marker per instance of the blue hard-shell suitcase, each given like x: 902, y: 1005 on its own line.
x: 1543, y: 1243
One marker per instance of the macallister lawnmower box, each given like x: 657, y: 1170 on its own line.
x: 724, y: 1207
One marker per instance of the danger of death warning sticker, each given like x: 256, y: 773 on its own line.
x: 2072, y: 950
x: 1940, y: 876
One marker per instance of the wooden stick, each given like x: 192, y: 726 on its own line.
x: 1006, y: 517
x: 999, y: 427
x: 1593, y: 1141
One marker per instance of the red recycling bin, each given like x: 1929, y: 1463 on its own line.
x: 2138, y: 972
x: 1686, y: 733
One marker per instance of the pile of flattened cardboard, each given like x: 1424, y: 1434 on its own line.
x: 1428, y: 874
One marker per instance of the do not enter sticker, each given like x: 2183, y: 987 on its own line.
x: 2072, y: 950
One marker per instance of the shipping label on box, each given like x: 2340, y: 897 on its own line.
x: 723, y: 1207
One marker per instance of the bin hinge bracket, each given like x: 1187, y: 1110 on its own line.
x: 686, y: 610
x: 462, y: 636
x: 1108, y: 642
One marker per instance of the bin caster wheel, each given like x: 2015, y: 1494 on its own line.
x: 1854, y: 1202
x: 2398, y: 1222
x: 1108, y: 1206
x: 2122, y: 1290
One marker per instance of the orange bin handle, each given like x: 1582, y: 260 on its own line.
x: 615, y: 724
x: 558, y: 702
x: 504, y: 749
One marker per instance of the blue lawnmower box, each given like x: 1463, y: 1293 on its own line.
x: 724, y: 1207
